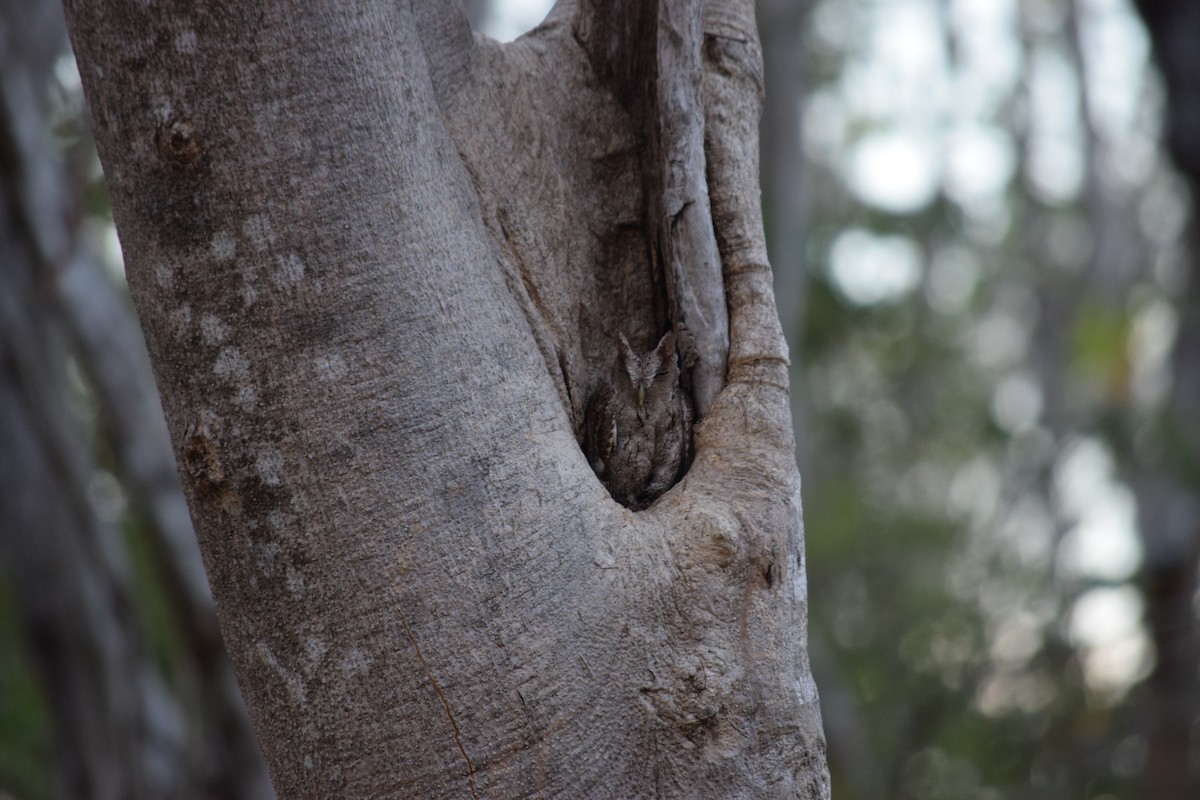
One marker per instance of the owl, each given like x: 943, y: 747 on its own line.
x: 638, y: 425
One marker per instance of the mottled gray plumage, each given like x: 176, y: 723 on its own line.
x: 638, y: 425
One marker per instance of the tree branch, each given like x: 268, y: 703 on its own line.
x: 648, y: 55
x: 446, y: 37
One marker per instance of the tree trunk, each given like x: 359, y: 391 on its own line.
x: 121, y: 729
x: 1169, y: 508
x: 381, y: 266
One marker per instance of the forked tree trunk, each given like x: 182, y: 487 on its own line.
x: 381, y: 265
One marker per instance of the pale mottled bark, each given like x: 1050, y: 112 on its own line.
x: 380, y: 265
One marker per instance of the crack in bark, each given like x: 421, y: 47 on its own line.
x: 437, y: 689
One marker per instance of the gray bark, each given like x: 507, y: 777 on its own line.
x: 381, y: 265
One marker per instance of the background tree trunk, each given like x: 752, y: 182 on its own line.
x: 381, y: 267
x: 122, y: 727
x: 785, y: 186
x: 1169, y: 491
x: 477, y: 11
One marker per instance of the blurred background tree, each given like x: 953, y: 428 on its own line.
x: 980, y: 220
x: 113, y: 680
x: 999, y: 358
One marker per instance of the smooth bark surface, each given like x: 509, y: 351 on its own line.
x: 381, y: 266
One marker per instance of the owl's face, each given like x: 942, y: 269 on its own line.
x: 652, y: 375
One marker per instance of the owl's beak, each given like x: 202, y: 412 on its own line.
x: 641, y: 396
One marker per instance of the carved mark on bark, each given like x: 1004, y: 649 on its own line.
x: 437, y: 689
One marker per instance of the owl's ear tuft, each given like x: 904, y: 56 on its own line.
x: 628, y: 356
x: 665, y: 347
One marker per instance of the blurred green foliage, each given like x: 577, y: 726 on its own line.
x: 984, y: 332
x: 26, y: 740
